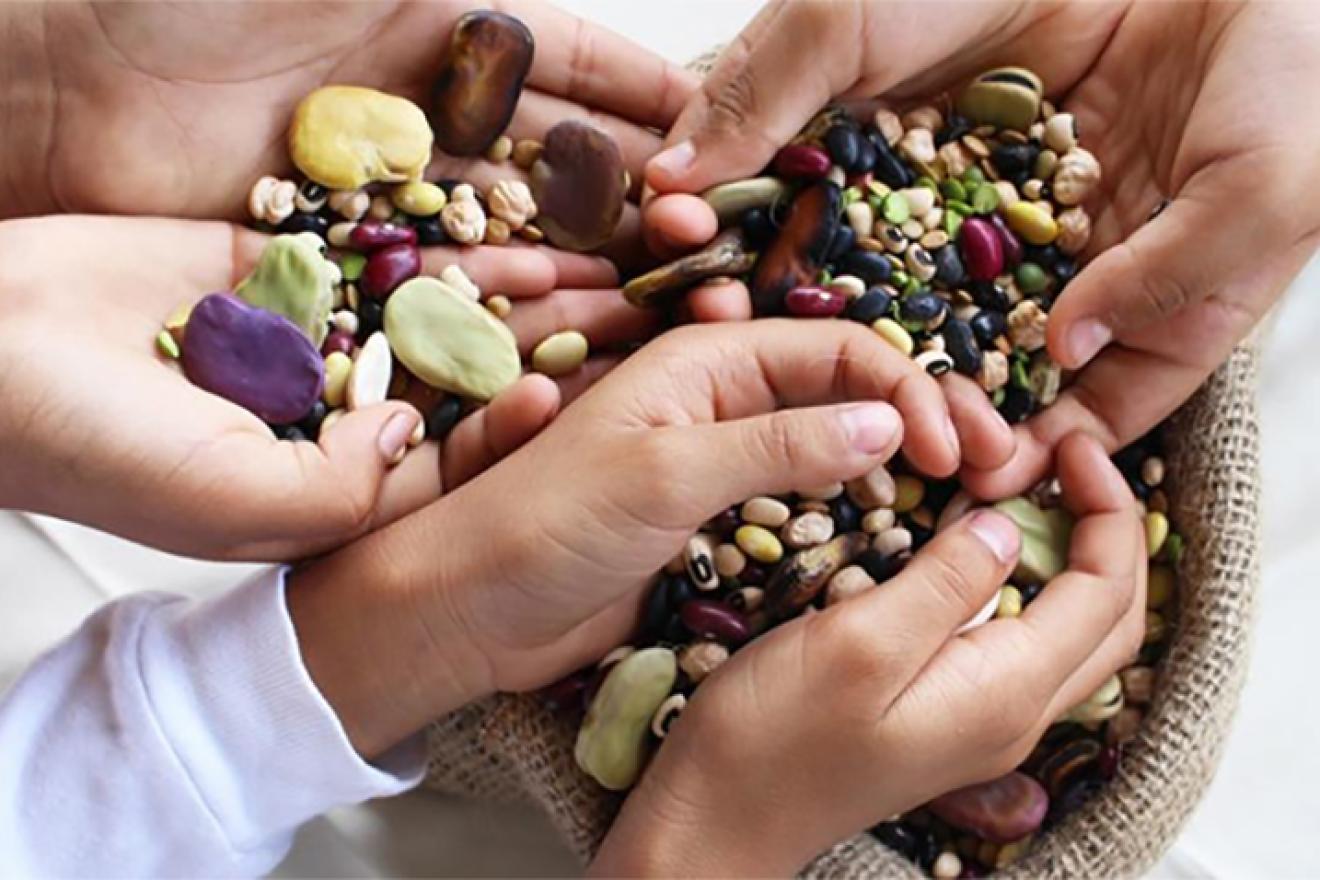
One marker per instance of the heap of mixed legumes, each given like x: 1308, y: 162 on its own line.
x: 950, y: 231
x: 337, y: 314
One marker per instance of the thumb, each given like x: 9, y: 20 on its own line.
x: 321, y: 495
x: 1187, y: 253
x: 764, y: 88
x: 788, y: 450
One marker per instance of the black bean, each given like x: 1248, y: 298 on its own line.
x: 448, y: 185
x: 920, y: 535
x: 680, y: 590
x: 371, y: 317
x: 870, y: 306
x: 292, y: 433
x: 299, y: 221
x: 889, y: 168
x: 1029, y: 592
x: 752, y: 575
x: 843, y: 142
x: 675, y: 632
x: 989, y: 295
x: 899, y: 837
x: 443, y: 418
x: 954, y: 127
x: 1014, y: 160
x: 988, y: 326
x: 928, y: 848
x: 310, y: 424
x: 844, y: 240
x: 724, y: 523
x: 1017, y: 405
x: 880, y: 567
x: 1045, y: 256
x: 961, y: 345
x: 656, y: 611
x: 949, y: 269
x: 865, y: 157
x: 846, y: 515
x: 1064, y: 271
x: 430, y: 232
x: 869, y: 266
x: 1072, y: 798
x: 757, y: 227
x: 922, y: 307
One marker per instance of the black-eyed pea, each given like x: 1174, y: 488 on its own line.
x: 699, y: 560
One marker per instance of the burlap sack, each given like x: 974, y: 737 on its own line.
x: 511, y: 747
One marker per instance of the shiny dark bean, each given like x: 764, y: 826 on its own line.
x: 954, y: 127
x: 1017, y: 405
x: 371, y: 316
x: 870, y: 306
x: 988, y: 326
x: 1065, y: 271
x: 752, y: 575
x: 845, y: 239
x: 311, y: 423
x: 871, y: 267
x: 681, y: 590
x: 843, y: 142
x: 708, y: 619
x: 899, y: 837
x: 443, y: 418
x: 880, y: 567
x: 724, y: 523
x: 949, y: 269
x: 656, y: 611
x: 989, y: 295
x: 1014, y: 160
x: 430, y: 232
x: 302, y: 222
x: 961, y: 345
x: 758, y: 228
x: 922, y: 307
x: 889, y: 168
x: 847, y: 516
x: 866, y: 156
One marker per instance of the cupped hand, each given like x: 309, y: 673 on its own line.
x: 99, y: 428
x: 1205, y: 105
x: 539, y: 565
x: 176, y: 109
x: 840, y: 719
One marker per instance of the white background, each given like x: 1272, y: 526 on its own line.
x: 1258, y: 820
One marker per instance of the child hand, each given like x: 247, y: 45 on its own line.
x: 539, y: 565
x: 840, y: 719
x: 97, y: 428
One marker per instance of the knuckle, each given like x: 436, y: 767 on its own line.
x: 852, y: 639
x: 734, y: 102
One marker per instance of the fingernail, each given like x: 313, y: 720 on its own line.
x: 393, y: 439
x: 675, y: 161
x: 870, y: 427
x: 951, y: 434
x: 997, y: 532
x: 1086, y: 338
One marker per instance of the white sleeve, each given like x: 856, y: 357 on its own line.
x: 171, y: 738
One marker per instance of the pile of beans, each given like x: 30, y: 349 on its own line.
x: 337, y: 314
x: 950, y: 232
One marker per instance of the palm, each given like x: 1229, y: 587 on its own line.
x: 179, y: 108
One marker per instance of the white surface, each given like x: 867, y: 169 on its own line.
x: 1257, y: 821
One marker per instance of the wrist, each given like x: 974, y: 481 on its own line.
x: 382, y: 643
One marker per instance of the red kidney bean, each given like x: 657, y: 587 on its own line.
x: 567, y: 692
x: 815, y: 302
x: 1011, y: 244
x: 982, y: 249
x: 389, y: 267
x: 802, y: 160
x: 715, y: 620
x: 1001, y: 810
x: 337, y: 340
x: 370, y: 235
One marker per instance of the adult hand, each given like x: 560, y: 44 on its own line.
x: 176, y: 110
x: 539, y: 565
x: 901, y: 708
x: 98, y: 428
x: 1222, y: 128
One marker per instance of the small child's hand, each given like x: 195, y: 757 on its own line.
x: 538, y: 566
x: 838, y: 720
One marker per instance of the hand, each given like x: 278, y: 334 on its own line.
x: 97, y: 428
x: 901, y: 709
x: 538, y: 566
x: 176, y: 110
x: 1222, y: 127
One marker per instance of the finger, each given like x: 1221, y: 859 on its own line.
x: 590, y: 64
x: 1078, y: 610
x: 721, y: 372
x: 677, y: 223
x: 787, y: 450
x: 1156, y: 273
x: 316, y: 496
x: 952, y: 578
x: 517, y: 271
x: 720, y: 301
x: 603, y: 316
x: 515, y: 416
x: 987, y: 441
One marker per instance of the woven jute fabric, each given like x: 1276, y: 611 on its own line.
x: 513, y: 748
